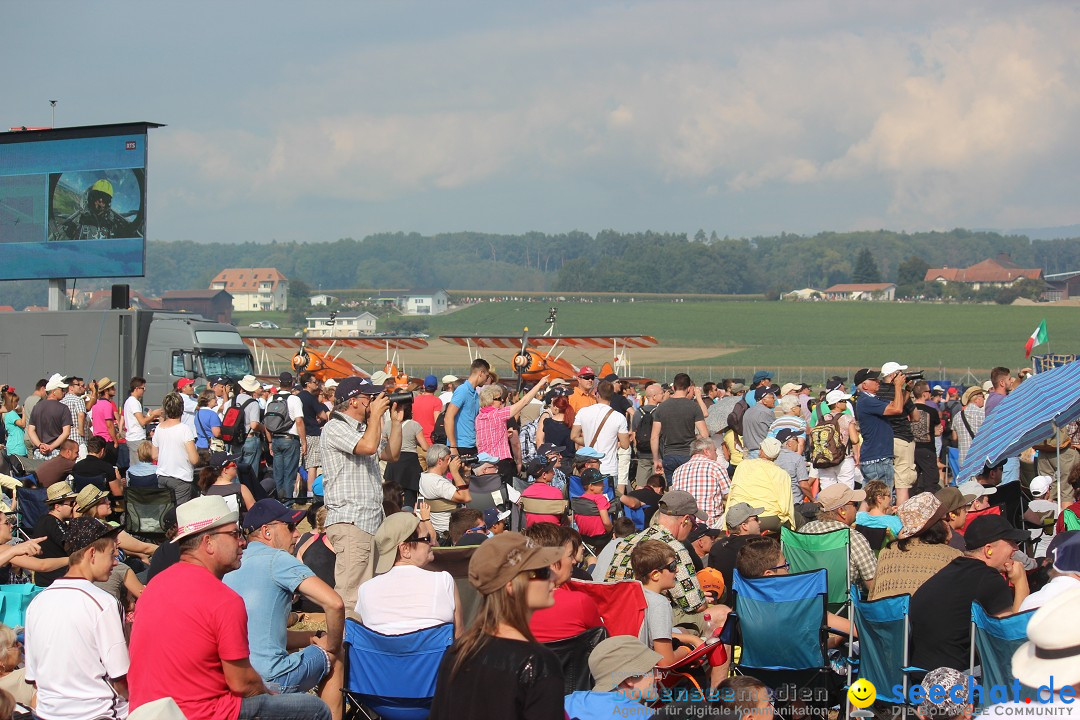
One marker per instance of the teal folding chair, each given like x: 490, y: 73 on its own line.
x: 825, y: 551
x: 884, y: 633
x: 996, y: 639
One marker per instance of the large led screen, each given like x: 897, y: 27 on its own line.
x: 73, y: 202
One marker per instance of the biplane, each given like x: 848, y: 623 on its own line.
x: 317, y: 355
x: 541, y: 356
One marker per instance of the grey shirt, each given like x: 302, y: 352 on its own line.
x: 756, y: 422
x: 794, y: 465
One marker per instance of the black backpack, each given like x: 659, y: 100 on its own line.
x: 438, y: 431
x: 643, y: 434
x: 276, y: 420
x: 734, y: 418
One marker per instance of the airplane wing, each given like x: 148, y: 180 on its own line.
x: 358, y: 343
x: 588, y: 342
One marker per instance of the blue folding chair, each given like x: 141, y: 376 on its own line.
x: 78, y: 482
x: 392, y: 676
x: 637, y: 515
x: 575, y: 489
x: 31, y: 506
x: 996, y: 639
x: 884, y: 632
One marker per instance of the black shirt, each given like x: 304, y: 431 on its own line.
x: 167, y: 555
x: 505, y: 679
x: 901, y: 425
x: 723, y: 554
x: 92, y: 466
x: 928, y: 422
x: 941, y: 611
x: 649, y: 497
x: 54, y: 531
x: 620, y: 403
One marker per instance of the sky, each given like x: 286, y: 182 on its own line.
x: 315, y: 121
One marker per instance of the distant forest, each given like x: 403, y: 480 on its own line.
x: 576, y: 261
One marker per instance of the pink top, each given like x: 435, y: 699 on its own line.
x: 592, y: 525
x: 103, y: 410
x: 491, y: 431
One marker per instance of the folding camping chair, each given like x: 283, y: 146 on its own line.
x: 455, y: 560
x: 825, y: 551
x: 585, y: 506
x: 884, y: 633
x: 575, y: 489
x: 392, y: 676
x: 637, y: 515
x: 145, y: 509
x: 622, y: 604
x: 78, y: 482
x: 996, y: 639
x: 31, y: 506
x: 573, y: 654
x: 783, y: 631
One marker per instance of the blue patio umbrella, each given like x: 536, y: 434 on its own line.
x: 1026, y: 417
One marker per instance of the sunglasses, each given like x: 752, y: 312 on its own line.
x: 672, y: 567
x: 419, y: 539
x: 587, y: 377
x: 785, y: 566
x: 235, y: 534
x: 543, y: 573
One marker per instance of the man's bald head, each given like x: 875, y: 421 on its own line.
x: 653, y: 393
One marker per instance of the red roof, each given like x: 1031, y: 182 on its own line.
x: 859, y: 287
x: 987, y: 271
x: 6, y: 308
x: 247, y: 280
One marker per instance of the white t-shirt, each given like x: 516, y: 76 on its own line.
x: 134, y: 433
x: 74, y: 639
x: 190, y: 405
x: 437, y: 487
x: 296, y: 413
x: 405, y: 600
x: 607, y: 442
x: 172, y: 456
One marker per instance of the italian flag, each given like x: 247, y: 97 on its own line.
x: 1037, y: 338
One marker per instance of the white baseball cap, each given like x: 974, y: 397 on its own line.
x: 974, y: 487
x: 1040, y: 484
x: 55, y: 383
x: 890, y: 367
x: 835, y: 396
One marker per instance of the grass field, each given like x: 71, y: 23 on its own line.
x: 814, y: 336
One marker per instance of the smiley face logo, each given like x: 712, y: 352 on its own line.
x: 862, y: 693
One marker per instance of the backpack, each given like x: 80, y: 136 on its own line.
x: 234, y: 426
x: 277, y: 420
x: 643, y: 434
x: 438, y: 430
x: 734, y: 418
x: 827, y: 448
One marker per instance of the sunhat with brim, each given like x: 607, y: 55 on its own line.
x: 1053, y: 646
x: 918, y: 514
x: 249, y: 383
x: 202, y: 514
x: 953, y: 499
x: 393, y: 531
x: 970, y: 393
x: 618, y: 658
x: 59, y: 491
x: 82, y: 532
x: 105, y: 384
x: 499, y: 559
x: 88, y: 497
x: 976, y: 488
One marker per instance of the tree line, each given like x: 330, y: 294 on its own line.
x: 609, y: 261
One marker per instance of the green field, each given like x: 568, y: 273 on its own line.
x: 800, y: 335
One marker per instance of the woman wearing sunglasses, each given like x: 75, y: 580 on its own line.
x: 403, y: 597
x: 219, y: 478
x: 497, y: 669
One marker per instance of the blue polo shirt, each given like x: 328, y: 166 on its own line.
x: 468, y: 405
x: 876, y: 432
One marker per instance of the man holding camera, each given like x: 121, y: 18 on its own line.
x: 872, y: 414
x: 904, y: 473
x: 443, y: 495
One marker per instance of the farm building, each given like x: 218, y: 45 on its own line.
x: 994, y: 272
x: 861, y: 291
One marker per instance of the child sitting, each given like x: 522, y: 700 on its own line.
x: 591, y: 526
x: 654, y: 565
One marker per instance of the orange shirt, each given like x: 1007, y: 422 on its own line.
x: 578, y: 400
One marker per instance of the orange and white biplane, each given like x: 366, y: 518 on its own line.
x: 541, y: 356
x: 317, y: 355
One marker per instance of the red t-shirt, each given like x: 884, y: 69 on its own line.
x: 592, y: 525
x: 186, y: 622
x: 425, y: 408
x: 542, y: 491
x: 573, y: 613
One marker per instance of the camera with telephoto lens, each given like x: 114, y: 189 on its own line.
x: 400, y: 397
x: 915, y: 375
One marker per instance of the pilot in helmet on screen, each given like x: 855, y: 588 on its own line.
x: 96, y: 220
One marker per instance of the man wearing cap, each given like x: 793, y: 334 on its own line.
x: 460, y: 418
x: 135, y: 422
x: 742, y: 525
x: 584, y: 392
x: 699, y: 543
x: 449, y: 384
x: 50, y: 421
x: 76, y: 654
x: 758, y: 419
x: 672, y: 523
x: 315, y: 416
x: 941, y: 609
x: 839, y: 504
x: 676, y: 422
x: 1065, y: 574
x: 967, y: 422
x: 189, y: 640
x: 267, y: 580
x: 761, y: 483
x: 872, y: 414
x: 762, y: 378
x: 352, y: 444
x: 625, y: 674
x: 427, y: 406
x: 186, y: 387
x: 53, y: 527
x: 904, y: 473
x: 705, y: 479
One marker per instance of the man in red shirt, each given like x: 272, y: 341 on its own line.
x: 574, y: 611
x: 189, y: 640
x: 427, y: 406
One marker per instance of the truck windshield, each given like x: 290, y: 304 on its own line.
x: 232, y: 364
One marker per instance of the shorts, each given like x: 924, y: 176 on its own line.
x: 313, y: 459
x: 314, y: 666
x: 904, y: 473
x: 878, y: 470
x: 843, y: 474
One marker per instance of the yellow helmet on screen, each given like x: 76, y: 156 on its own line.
x: 103, y: 186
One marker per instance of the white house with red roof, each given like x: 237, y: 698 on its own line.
x: 254, y: 289
x: 992, y: 272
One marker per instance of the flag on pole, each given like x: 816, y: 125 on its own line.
x: 1037, y: 338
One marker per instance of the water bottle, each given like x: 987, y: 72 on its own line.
x: 709, y: 628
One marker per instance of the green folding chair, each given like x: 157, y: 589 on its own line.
x: 827, y: 551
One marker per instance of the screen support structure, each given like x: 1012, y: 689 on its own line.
x: 57, y: 293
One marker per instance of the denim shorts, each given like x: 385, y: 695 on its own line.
x: 314, y: 666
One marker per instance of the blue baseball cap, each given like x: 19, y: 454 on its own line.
x: 431, y: 382
x: 486, y: 458
x: 269, y: 510
x: 588, y: 452
x: 761, y: 375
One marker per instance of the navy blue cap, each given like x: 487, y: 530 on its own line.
x: 220, y: 380
x: 590, y: 476
x: 785, y: 434
x: 269, y: 510
x: 221, y: 458
x: 350, y: 387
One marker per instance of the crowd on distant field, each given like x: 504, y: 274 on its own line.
x: 579, y: 548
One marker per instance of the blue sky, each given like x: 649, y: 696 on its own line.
x: 319, y: 120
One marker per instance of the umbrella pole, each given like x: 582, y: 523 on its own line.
x: 1057, y: 475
